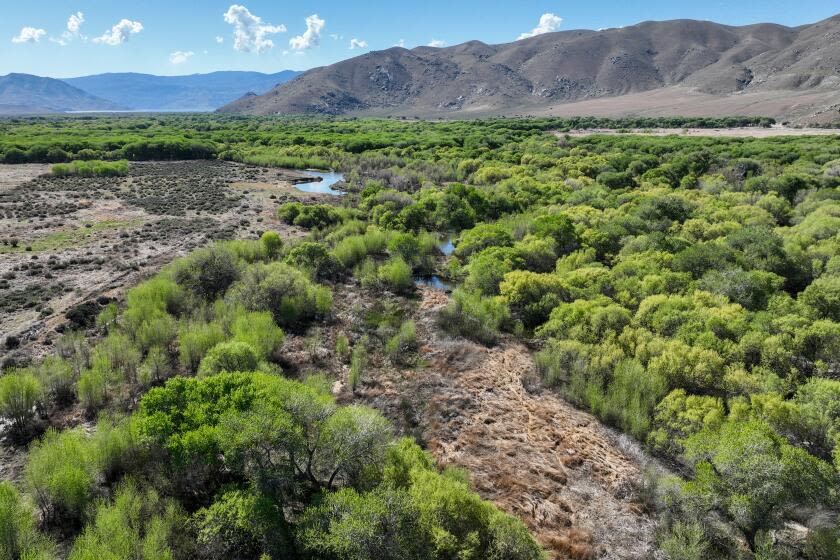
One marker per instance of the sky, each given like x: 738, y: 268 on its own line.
x: 66, y: 38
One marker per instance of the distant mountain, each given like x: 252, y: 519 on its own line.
x: 196, y: 92
x: 25, y: 93
x: 692, y: 67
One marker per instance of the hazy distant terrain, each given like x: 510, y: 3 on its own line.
x: 692, y: 67
x: 196, y: 92
x: 24, y: 93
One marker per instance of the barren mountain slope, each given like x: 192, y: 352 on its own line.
x: 536, y: 74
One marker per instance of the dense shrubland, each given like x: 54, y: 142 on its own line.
x: 684, y: 290
x: 224, y: 457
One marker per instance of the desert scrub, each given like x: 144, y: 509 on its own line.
x: 20, y: 392
x: 19, y: 534
x: 357, y: 363
x: 402, y: 345
x: 92, y: 168
x: 473, y: 316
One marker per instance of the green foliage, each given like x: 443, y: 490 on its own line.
x: 755, y: 475
x: 61, y: 474
x: 239, y: 525
x: 357, y: 363
x: 309, y: 216
x: 396, y: 275
x: 20, y: 392
x: 207, y: 272
x: 272, y: 243
x: 138, y: 524
x: 289, y: 294
x: 233, y: 355
x: 342, y: 347
x: 19, y: 535
x: 92, y: 388
x: 475, y: 317
x: 257, y: 329
x: 195, y: 340
x: 92, y: 168
x: 402, y: 345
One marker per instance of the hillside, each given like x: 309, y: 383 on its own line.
x: 25, y: 93
x: 695, y: 67
x: 196, y: 92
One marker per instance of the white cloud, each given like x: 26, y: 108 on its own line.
x: 400, y: 43
x: 250, y: 34
x: 180, y: 57
x: 437, y: 43
x: 73, y: 31
x: 29, y: 35
x: 548, y: 23
x: 310, y: 37
x: 358, y: 44
x: 220, y: 39
x: 120, y: 33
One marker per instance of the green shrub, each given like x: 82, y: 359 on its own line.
x: 309, y: 216
x: 91, y: 168
x: 272, y: 243
x: 207, y: 272
x: 194, y: 340
x: 138, y: 524
x: 229, y: 356
x: 155, y: 367
x: 61, y: 474
x: 342, y: 347
x: 286, y: 292
x: 357, y: 363
x: 20, y: 392
x: 258, y: 329
x: 314, y: 257
x: 475, y: 317
x: 396, y: 275
x: 19, y: 535
x: 92, y: 389
x: 240, y: 525
x: 58, y: 378
x: 400, y: 346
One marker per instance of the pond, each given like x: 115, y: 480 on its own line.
x: 433, y: 281
x: 447, y: 247
x: 324, y: 185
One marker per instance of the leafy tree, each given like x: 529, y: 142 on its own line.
x: 754, y: 477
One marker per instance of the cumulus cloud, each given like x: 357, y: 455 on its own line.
x: 250, y: 33
x: 119, y: 33
x: 400, y: 43
x: 437, y: 43
x: 310, y: 37
x: 548, y: 23
x: 180, y: 57
x: 73, y: 31
x: 220, y: 39
x: 29, y: 35
x: 358, y: 44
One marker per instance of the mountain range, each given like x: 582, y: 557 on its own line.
x: 24, y: 93
x: 196, y: 92
x: 683, y: 67
x: 27, y: 94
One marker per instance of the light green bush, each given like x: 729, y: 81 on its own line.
x: 20, y: 392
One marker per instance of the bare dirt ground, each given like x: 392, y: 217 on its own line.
x: 747, y: 132
x: 64, y: 241
x: 569, y: 478
x: 817, y: 106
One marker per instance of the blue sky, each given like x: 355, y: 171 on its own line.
x: 184, y: 37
